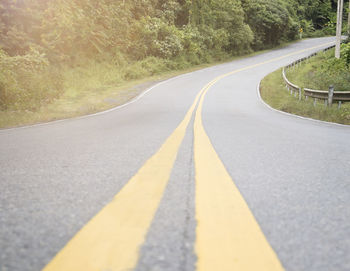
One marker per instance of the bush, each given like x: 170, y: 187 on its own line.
x: 155, y: 37
x: 345, y: 53
x: 27, y: 81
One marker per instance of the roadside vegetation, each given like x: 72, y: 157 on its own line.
x: 324, y: 70
x: 62, y: 58
x: 318, y: 73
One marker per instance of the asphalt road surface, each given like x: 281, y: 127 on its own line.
x: 198, y: 174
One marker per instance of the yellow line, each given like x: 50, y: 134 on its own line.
x: 111, y: 240
x: 227, y: 235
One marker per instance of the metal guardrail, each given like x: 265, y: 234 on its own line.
x: 329, y: 96
x: 316, y: 94
x: 290, y: 86
x: 341, y: 96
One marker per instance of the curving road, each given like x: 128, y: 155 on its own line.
x: 198, y: 174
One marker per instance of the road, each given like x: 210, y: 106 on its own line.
x: 198, y: 174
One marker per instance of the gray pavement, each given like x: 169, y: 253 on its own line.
x: 293, y: 173
x: 174, y: 223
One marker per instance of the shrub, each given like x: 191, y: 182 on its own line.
x: 27, y: 81
x: 345, y: 53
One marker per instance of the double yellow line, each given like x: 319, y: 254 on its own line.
x: 227, y: 235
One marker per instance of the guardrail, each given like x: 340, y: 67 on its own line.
x: 290, y: 86
x: 329, y: 96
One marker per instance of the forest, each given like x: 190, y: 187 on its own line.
x: 49, y: 46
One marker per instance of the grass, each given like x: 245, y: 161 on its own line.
x: 274, y: 92
x: 97, y: 86
x: 320, y: 72
x: 90, y: 89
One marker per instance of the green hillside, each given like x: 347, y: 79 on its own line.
x: 49, y: 48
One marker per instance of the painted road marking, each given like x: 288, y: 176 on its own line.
x: 227, y: 234
x: 111, y: 240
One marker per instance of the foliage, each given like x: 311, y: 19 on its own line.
x: 27, y: 81
x: 271, y: 22
x: 42, y: 39
x: 345, y: 53
x: 324, y: 70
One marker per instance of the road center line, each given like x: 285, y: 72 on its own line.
x: 111, y: 240
x: 227, y: 235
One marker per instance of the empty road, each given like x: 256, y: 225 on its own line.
x: 197, y: 174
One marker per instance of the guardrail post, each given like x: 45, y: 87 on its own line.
x: 339, y: 104
x: 299, y: 94
x: 315, y: 102
x: 330, y: 95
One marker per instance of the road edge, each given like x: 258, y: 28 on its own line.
x: 133, y: 100
x: 293, y: 115
x: 143, y: 93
